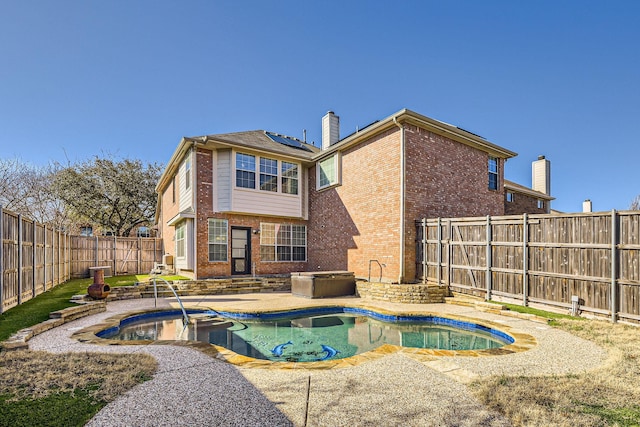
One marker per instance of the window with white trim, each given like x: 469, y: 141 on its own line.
x: 245, y: 170
x: 493, y: 173
x: 283, y: 242
x: 187, y: 173
x: 180, y: 241
x: 218, y: 239
x: 289, y: 178
x: 268, y: 174
x: 509, y: 196
x: 327, y: 171
x: 540, y: 204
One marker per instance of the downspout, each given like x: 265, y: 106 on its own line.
x: 402, y: 199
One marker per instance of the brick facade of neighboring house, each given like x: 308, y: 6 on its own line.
x: 353, y: 204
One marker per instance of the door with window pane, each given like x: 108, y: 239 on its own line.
x: 240, y: 250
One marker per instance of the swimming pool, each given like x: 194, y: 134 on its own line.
x: 309, y: 335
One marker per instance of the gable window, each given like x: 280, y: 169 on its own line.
x: 180, y: 242
x: 509, y: 197
x: 187, y: 173
x: 283, y: 242
x: 268, y: 174
x: 327, y: 171
x: 218, y: 239
x: 245, y: 170
x: 493, y: 173
x: 289, y: 178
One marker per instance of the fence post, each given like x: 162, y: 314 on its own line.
x: 614, y: 274
x: 525, y: 260
x: 1, y: 261
x: 439, y: 255
x: 139, y: 266
x: 449, y: 252
x: 489, y: 262
x: 115, y: 255
x: 33, y: 263
x: 20, y: 259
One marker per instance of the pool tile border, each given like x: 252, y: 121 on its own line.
x: 520, y: 341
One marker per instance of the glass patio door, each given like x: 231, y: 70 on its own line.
x: 240, y: 250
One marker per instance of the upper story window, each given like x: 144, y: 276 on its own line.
x: 187, y: 173
x: 493, y: 173
x: 86, y: 231
x: 144, y: 232
x: 327, y: 171
x: 268, y: 174
x: 289, y: 178
x: 173, y: 190
x: 509, y: 196
x: 540, y: 204
x: 245, y: 170
x: 273, y: 175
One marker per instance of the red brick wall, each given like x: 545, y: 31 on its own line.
x: 523, y: 203
x: 359, y: 220
x: 445, y: 178
x: 206, y: 269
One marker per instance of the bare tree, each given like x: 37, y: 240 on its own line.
x: 635, y: 204
x: 25, y: 189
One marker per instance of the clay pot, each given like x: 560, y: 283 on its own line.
x: 99, y: 289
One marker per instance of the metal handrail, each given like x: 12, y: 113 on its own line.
x: 379, y: 265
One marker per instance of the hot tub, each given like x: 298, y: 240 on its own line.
x: 322, y: 284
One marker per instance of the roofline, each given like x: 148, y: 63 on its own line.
x: 510, y: 185
x: 220, y: 141
x: 408, y: 116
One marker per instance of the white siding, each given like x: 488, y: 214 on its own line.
x: 185, y: 194
x: 223, y: 183
x: 266, y: 203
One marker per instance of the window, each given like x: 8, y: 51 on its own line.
x: 268, y: 174
x: 509, y: 197
x: 173, y: 190
x: 540, y: 204
x: 493, y: 173
x: 86, y: 231
x: 180, y: 243
x: 289, y: 178
x: 245, y: 171
x: 283, y: 242
x: 144, y: 232
x: 187, y: 173
x: 218, y: 238
x: 327, y: 172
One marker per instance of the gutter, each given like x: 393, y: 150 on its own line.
x: 402, y: 198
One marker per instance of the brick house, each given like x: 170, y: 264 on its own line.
x: 261, y: 203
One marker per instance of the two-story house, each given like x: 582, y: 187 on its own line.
x: 261, y: 203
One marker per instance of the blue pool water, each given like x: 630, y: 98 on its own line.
x: 311, y: 334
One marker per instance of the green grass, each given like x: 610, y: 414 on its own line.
x: 63, y: 409
x: 537, y: 312
x: 37, y: 310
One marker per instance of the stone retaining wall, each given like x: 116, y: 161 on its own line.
x: 410, y: 294
x: 202, y: 287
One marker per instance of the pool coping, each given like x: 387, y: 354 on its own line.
x: 522, y: 342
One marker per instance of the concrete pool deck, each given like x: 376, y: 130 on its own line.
x: 398, y: 388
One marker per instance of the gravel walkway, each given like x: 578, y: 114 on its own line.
x: 193, y: 389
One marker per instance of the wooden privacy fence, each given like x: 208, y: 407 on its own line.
x: 34, y: 258
x: 124, y: 255
x: 549, y: 260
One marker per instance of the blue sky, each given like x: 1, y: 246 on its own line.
x: 558, y: 78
